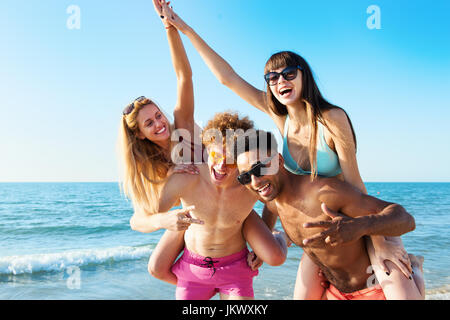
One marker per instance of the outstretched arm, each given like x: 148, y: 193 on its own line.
x: 174, y: 220
x: 184, y: 108
x: 220, y: 68
x: 362, y: 215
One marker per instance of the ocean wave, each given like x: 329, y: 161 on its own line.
x: 441, y: 293
x: 54, y: 262
x: 62, y: 230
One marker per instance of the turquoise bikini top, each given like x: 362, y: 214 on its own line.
x: 327, y: 160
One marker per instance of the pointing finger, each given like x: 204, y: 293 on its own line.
x: 193, y: 220
x: 318, y: 224
x: 187, y: 209
x: 319, y: 236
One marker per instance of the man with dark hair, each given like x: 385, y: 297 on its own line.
x: 304, y: 205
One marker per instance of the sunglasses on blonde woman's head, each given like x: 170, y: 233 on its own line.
x: 289, y: 73
x: 129, y: 108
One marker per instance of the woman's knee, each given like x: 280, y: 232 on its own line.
x: 156, y: 270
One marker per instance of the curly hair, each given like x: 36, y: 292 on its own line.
x: 222, y: 123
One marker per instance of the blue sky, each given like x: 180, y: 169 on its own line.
x: 62, y: 91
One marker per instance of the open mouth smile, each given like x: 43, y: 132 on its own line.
x: 265, y: 190
x: 285, y: 91
x: 218, y: 175
x: 162, y: 130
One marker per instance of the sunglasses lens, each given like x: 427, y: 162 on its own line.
x: 244, y: 178
x: 128, y: 109
x: 256, y: 171
x: 215, y: 156
x: 272, y: 78
x: 290, y: 73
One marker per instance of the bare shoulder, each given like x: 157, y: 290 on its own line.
x: 335, y: 117
x: 182, y: 180
x: 333, y: 191
x: 323, y: 185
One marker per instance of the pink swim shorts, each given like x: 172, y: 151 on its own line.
x: 200, y: 278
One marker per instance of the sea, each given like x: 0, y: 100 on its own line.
x: 73, y: 241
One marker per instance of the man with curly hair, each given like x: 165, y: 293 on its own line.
x: 221, y: 221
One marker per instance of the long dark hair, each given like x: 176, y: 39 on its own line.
x: 315, y: 103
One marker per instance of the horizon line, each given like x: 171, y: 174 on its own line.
x: 119, y: 181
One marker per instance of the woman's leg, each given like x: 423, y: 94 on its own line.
x: 268, y: 247
x: 164, y: 255
x: 417, y: 264
x: 308, y: 283
x: 395, y: 285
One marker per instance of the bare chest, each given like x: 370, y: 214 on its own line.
x: 298, y: 145
x: 220, y: 209
x: 298, y: 212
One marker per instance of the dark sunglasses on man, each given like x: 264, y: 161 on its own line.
x: 246, y: 177
x: 288, y: 73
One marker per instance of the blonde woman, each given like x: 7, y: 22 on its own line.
x: 318, y: 140
x: 149, y: 157
x: 147, y: 152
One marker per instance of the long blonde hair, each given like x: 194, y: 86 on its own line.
x: 144, y: 163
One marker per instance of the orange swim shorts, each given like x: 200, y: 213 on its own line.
x: 371, y: 293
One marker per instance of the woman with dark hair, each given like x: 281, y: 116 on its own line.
x: 318, y: 140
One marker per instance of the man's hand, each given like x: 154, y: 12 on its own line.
x: 339, y: 230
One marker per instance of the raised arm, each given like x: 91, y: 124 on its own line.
x: 222, y: 69
x: 184, y: 108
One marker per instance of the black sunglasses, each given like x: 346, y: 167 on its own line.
x: 289, y: 73
x: 129, y: 108
x: 246, y: 177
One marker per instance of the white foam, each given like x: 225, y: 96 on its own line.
x: 51, y: 262
x: 441, y: 293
